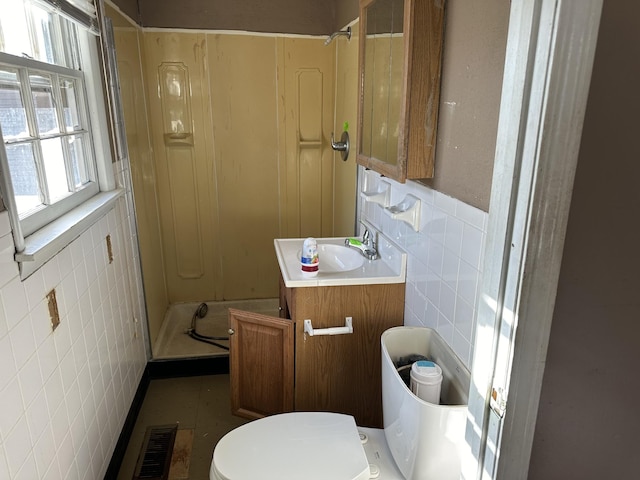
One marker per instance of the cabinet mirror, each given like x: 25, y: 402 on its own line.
x: 400, y: 65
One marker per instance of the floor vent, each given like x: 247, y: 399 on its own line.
x: 155, y: 457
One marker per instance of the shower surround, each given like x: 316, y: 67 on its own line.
x: 173, y: 341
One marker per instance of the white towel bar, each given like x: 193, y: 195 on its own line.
x: 348, y: 328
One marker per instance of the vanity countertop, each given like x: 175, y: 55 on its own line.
x: 390, y: 267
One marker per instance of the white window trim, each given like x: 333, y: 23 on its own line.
x: 96, y: 103
x: 38, y: 248
x: 35, y: 221
x: 44, y: 244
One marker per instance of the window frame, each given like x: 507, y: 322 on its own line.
x: 36, y: 248
x: 44, y: 214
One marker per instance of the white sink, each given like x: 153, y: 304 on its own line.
x: 338, y: 258
x: 339, y: 264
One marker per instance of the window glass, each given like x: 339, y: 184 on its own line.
x: 24, y: 177
x: 15, y: 30
x: 54, y: 169
x: 70, y: 105
x: 13, y: 118
x: 42, y: 94
x: 78, y: 161
x: 45, y: 37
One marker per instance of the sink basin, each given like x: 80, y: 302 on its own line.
x: 339, y: 264
x: 338, y: 258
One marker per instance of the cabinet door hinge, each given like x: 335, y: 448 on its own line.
x: 498, y: 402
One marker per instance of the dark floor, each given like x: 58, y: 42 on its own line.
x: 200, y: 403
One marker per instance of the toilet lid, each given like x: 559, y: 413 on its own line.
x: 291, y: 446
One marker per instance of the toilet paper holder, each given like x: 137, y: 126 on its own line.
x: 348, y: 328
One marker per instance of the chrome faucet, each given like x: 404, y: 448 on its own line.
x: 367, y: 246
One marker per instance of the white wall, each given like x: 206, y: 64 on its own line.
x: 64, y: 394
x: 443, y: 259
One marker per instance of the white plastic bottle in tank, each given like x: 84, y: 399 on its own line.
x: 426, y: 380
x: 309, y: 261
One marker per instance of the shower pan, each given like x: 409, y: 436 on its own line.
x: 211, y: 320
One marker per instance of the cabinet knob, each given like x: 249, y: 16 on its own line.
x: 231, y: 331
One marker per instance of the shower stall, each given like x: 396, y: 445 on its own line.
x: 201, y: 329
x: 228, y: 138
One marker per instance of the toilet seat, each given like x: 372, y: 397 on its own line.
x: 291, y: 446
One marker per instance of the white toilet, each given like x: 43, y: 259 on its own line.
x: 420, y: 440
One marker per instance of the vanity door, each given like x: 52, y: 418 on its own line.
x: 261, y: 364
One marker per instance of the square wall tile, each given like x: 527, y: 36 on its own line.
x: 23, y: 342
x: 45, y: 451
x: 8, y: 267
x: 443, y: 260
x: 30, y: 380
x: 37, y: 416
x: 17, y: 446
x: 4, y: 329
x: 34, y: 288
x: 5, y: 224
x: 4, y: 468
x: 29, y: 469
x: 54, y: 392
x: 472, y: 243
x: 464, y: 319
x: 51, y: 274
x: 471, y: 215
x: 60, y: 425
x: 468, y: 278
x: 8, y: 370
x: 14, y: 299
x: 12, y: 408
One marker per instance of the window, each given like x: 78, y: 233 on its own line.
x: 50, y: 83
x: 47, y: 142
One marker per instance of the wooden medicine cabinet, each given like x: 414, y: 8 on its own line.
x: 400, y: 67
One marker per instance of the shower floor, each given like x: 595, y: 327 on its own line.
x: 173, y: 342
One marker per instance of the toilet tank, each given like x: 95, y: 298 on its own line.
x: 425, y: 439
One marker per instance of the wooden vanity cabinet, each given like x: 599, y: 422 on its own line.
x: 337, y: 373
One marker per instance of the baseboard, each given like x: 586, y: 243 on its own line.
x: 188, y: 367
x: 155, y: 369
x: 127, y: 428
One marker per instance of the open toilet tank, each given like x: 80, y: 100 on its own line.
x: 425, y: 439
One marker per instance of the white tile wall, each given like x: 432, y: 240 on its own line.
x: 64, y: 395
x: 443, y: 259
